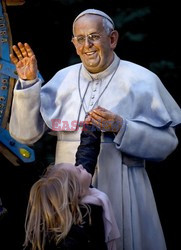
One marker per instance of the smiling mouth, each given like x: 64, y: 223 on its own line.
x: 90, y: 53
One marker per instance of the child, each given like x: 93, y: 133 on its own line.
x: 64, y: 212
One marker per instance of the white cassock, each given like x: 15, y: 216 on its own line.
x: 148, y: 133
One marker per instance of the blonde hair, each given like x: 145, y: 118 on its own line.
x: 53, y: 207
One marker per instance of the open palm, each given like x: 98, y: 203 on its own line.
x: 25, y: 61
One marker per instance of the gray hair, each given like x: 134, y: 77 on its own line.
x: 108, y: 26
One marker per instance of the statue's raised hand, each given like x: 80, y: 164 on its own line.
x: 25, y: 61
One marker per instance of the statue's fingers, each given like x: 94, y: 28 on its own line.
x: 14, y: 59
x: 28, y: 50
x: 23, y: 49
x: 17, y: 52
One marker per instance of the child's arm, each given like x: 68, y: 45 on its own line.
x: 89, y: 148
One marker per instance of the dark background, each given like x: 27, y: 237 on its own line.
x: 149, y: 35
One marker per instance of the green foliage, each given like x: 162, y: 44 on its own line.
x: 162, y: 65
x: 138, y: 37
x: 130, y: 16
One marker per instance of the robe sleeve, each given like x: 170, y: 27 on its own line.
x: 150, y: 118
x: 26, y: 123
x: 145, y: 141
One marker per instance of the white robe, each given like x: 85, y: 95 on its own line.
x: 150, y: 115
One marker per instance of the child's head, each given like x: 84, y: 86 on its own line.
x: 54, y: 201
x: 77, y: 177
